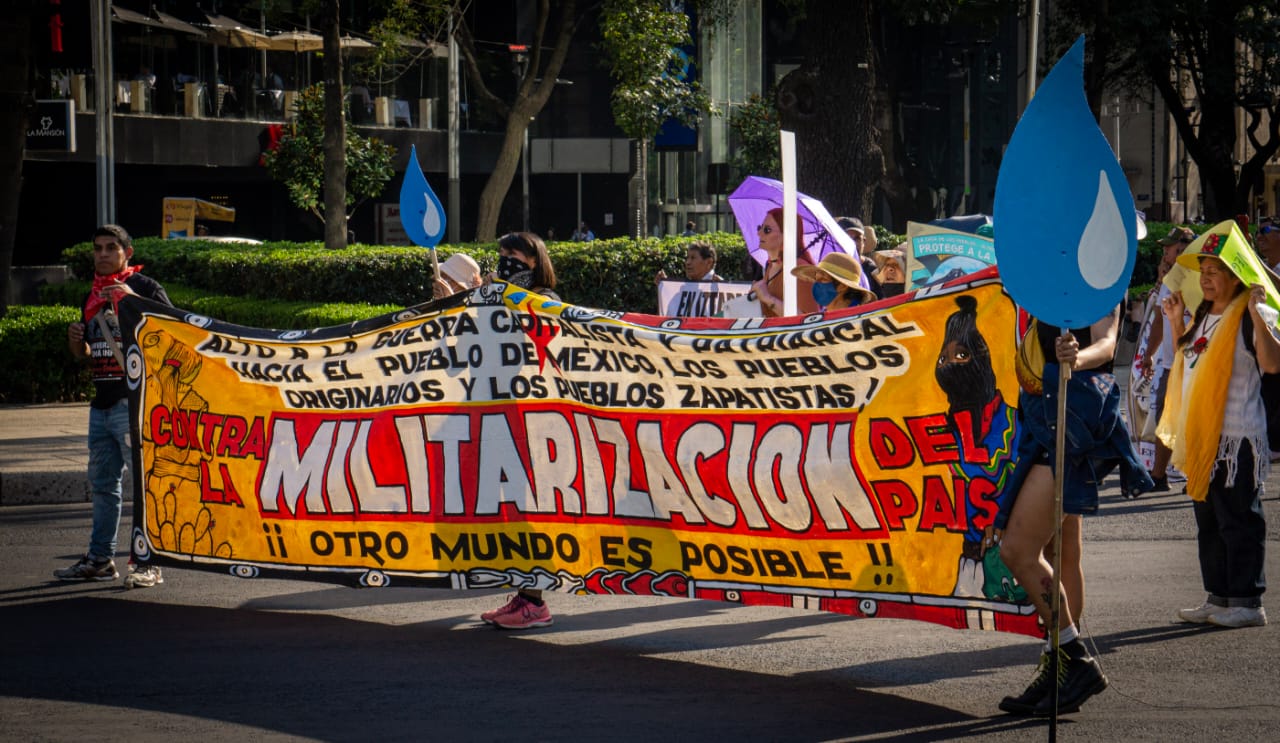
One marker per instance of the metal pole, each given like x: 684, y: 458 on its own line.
x: 524, y: 176
x: 1033, y: 47
x: 103, y: 86
x: 1059, y: 459
x: 455, y: 179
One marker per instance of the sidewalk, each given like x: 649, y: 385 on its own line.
x: 43, y: 454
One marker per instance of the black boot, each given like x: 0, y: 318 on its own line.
x: 1025, y: 703
x: 1080, y: 679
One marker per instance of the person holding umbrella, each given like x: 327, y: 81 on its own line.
x: 769, y: 290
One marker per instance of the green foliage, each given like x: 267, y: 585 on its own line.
x: 298, y: 161
x: 641, y: 41
x: 38, y: 366
x: 754, y: 127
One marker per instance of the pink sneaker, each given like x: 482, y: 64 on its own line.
x: 511, y: 604
x: 524, y: 614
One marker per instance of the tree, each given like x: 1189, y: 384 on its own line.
x: 1209, y: 62
x: 754, y: 125
x: 642, y: 40
x: 536, y: 80
x: 16, y: 101
x: 828, y: 103
x: 366, y: 166
x: 335, y: 138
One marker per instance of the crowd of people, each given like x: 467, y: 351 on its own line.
x: 1213, y: 418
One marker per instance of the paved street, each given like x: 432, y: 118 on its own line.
x: 219, y: 658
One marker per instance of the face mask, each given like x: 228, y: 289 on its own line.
x: 515, y: 271
x: 824, y: 293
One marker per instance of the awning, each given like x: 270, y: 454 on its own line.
x: 124, y: 15
x: 178, y: 25
x: 224, y: 30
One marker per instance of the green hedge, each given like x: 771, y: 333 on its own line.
x: 611, y: 274
x: 38, y: 366
x: 256, y: 313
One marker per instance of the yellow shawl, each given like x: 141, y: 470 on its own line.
x: 1195, y: 447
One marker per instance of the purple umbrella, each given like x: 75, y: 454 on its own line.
x: 756, y: 196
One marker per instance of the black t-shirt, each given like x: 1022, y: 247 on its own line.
x: 1084, y: 336
x: 108, y: 378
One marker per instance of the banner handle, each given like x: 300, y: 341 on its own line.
x: 1059, y: 460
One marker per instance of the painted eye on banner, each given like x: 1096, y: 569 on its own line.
x: 244, y: 571
x: 141, y: 548
x: 134, y: 364
x: 868, y: 607
x: 405, y: 315
x: 289, y: 335
x: 375, y: 579
x: 670, y: 324
x: 200, y: 321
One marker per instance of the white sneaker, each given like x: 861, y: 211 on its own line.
x: 1202, y: 614
x: 1240, y: 616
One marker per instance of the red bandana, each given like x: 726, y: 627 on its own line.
x: 95, y: 302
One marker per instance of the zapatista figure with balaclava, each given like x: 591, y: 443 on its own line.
x: 986, y: 438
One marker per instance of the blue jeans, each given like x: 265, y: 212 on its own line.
x: 108, y: 453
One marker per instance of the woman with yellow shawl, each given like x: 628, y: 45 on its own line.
x: 1215, y: 422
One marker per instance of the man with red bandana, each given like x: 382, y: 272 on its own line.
x: 98, y: 339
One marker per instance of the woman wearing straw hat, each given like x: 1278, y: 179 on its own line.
x: 1215, y: 422
x: 835, y: 281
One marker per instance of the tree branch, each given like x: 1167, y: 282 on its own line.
x: 468, y: 46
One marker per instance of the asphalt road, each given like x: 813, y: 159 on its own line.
x: 215, y: 658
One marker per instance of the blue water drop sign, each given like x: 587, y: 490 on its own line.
x: 421, y: 213
x: 1065, y: 235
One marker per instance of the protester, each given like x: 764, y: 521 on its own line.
x: 834, y: 281
x: 891, y: 272
x: 858, y: 232
x: 523, y: 261
x: 690, y: 229
x: 699, y: 263
x: 1098, y: 441
x: 98, y: 339
x: 583, y: 233
x: 1215, y: 423
x: 769, y: 288
x: 1158, y: 356
x: 1267, y: 243
x: 458, y: 274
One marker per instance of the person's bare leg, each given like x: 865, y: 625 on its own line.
x: 1161, y: 465
x: 1072, y: 570
x: 1030, y: 529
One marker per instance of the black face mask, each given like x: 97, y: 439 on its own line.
x: 892, y: 289
x: 515, y: 271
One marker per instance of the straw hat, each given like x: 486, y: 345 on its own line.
x: 841, y: 267
x: 461, y: 268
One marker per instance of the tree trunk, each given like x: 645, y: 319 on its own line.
x: 15, y: 105
x: 335, y: 133
x: 533, y: 90
x: 828, y: 103
x: 504, y: 171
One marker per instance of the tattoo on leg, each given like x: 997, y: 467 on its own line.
x: 1047, y: 585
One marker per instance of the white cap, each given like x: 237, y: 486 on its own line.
x: 462, y: 269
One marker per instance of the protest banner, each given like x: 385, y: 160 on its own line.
x: 503, y: 439
x: 936, y: 254
x: 697, y: 298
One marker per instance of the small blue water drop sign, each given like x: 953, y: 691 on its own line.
x: 421, y: 213
x: 1065, y: 235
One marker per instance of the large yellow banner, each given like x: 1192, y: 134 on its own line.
x: 849, y: 462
